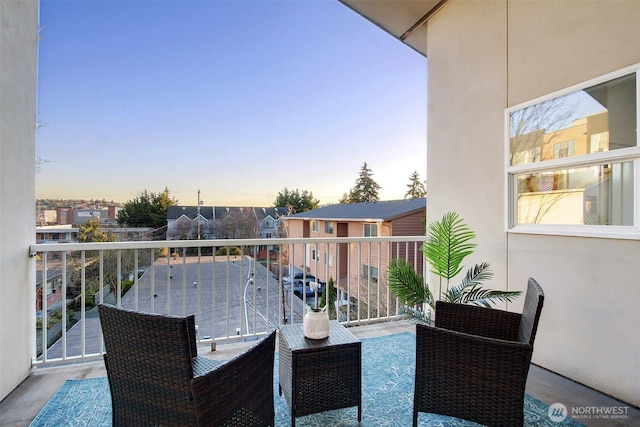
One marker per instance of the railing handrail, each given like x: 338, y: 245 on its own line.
x: 145, y: 244
x: 230, y: 295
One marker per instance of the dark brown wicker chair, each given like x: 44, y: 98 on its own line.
x: 474, y: 363
x: 157, y: 379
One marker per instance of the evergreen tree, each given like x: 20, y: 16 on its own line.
x: 91, y: 233
x: 345, y: 198
x: 366, y: 189
x: 416, y: 187
x: 149, y: 209
x: 296, y: 200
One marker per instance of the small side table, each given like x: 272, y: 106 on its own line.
x: 320, y: 375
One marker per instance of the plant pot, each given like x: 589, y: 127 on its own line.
x: 316, y: 324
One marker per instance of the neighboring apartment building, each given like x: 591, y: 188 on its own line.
x: 69, y: 234
x: 76, y: 216
x: 347, y: 263
x: 491, y: 62
x: 57, y: 234
x: 212, y: 222
x: 563, y: 196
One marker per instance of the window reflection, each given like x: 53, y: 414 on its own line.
x: 598, y: 118
x: 596, y: 195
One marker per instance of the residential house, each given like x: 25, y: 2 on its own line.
x: 347, y: 263
x: 214, y: 222
x: 271, y: 222
x: 190, y: 223
x: 554, y: 64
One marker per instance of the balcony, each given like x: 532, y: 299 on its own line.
x: 235, y: 298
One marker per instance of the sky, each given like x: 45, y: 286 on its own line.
x: 238, y: 99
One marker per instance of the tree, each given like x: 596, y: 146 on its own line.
x: 296, y: 200
x: 92, y: 233
x: 416, y: 187
x: 366, y: 189
x: 149, y: 209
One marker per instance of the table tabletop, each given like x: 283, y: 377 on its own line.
x: 338, y: 335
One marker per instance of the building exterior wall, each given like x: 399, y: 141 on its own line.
x: 410, y: 225
x: 483, y: 57
x: 18, y: 79
x: 344, y: 263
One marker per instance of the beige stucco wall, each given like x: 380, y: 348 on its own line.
x: 466, y: 98
x: 484, y: 56
x: 18, y: 70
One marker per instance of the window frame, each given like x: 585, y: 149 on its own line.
x: 628, y: 154
x: 368, y: 273
x: 369, y: 224
x: 315, y: 226
x: 329, y: 226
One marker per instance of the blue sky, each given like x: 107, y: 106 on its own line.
x: 239, y: 99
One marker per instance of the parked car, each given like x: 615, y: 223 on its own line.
x: 301, y: 285
x: 298, y: 275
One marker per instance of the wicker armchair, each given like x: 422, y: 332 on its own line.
x: 157, y: 379
x: 474, y: 363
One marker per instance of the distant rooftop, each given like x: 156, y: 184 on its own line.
x: 219, y: 212
x: 369, y: 211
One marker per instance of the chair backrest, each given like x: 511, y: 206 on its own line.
x: 533, y: 302
x: 149, y: 366
x: 242, y: 386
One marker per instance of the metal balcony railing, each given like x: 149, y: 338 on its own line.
x: 234, y: 287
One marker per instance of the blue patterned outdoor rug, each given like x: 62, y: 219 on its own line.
x: 387, y: 397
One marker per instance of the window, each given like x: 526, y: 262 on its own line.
x: 370, y: 230
x: 370, y: 273
x: 315, y: 226
x: 328, y: 227
x: 328, y: 259
x: 574, y: 158
x: 314, y: 255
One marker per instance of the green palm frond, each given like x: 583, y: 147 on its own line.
x: 407, y: 285
x: 448, y: 244
x: 486, y: 297
x: 470, y: 290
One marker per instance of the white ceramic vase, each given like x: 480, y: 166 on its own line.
x: 316, y: 324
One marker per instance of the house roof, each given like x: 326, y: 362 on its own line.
x: 367, y: 212
x: 217, y: 212
x: 175, y: 212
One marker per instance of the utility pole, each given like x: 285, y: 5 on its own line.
x: 198, y: 216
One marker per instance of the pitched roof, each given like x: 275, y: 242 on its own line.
x: 175, y: 212
x: 369, y: 211
x: 217, y: 212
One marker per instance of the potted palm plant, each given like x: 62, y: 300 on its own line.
x: 449, y: 242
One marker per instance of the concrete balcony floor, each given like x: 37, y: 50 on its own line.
x: 25, y: 402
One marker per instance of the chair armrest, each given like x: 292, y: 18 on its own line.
x: 476, y: 320
x: 241, y: 388
x: 191, y: 329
